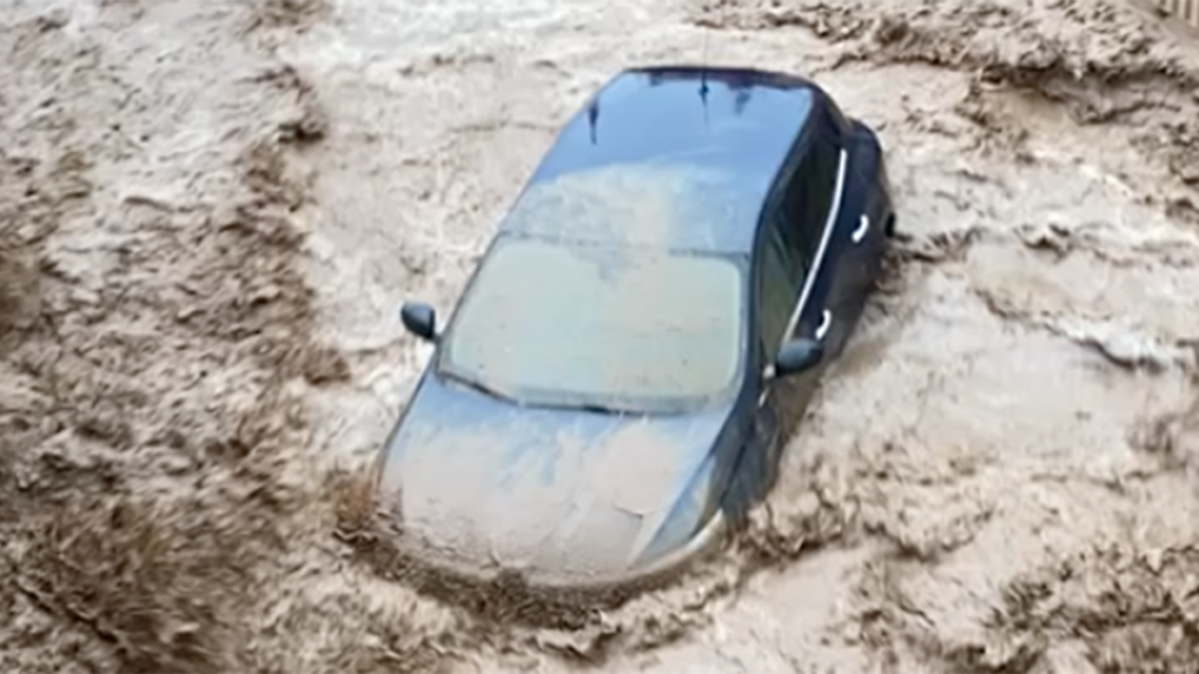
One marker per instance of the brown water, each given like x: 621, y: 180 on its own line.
x: 209, y: 214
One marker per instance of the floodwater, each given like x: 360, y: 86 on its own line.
x: 210, y: 212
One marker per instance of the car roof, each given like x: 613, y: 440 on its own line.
x: 702, y: 144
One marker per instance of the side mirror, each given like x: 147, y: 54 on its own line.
x: 420, y: 319
x: 798, y: 355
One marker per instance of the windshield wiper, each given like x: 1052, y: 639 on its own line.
x: 604, y: 409
x: 479, y: 386
x: 596, y: 408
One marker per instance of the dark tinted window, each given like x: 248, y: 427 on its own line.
x: 809, y: 196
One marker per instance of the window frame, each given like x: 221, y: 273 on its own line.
x: 822, y: 129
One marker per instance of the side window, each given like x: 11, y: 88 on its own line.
x: 778, y: 290
x: 809, y: 196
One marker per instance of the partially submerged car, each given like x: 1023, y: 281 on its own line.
x: 607, y: 397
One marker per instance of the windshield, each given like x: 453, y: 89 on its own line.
x: 632, y: 329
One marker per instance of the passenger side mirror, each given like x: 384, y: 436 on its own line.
x: 798, y: 355
x: 420, y: 319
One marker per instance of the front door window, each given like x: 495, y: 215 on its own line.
x: 778, y: 292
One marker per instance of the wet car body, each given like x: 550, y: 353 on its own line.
x: 611, y: 392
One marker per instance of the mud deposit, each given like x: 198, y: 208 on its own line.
x: 210, y: 211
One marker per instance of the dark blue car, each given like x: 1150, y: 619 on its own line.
x: 609, y: 394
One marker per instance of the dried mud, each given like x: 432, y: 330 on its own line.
x: 209, y: 211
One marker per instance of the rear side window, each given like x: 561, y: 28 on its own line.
x: 809, y: 197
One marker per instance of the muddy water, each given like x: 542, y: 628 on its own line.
x: 1000, y: 475
x: 988, y: 428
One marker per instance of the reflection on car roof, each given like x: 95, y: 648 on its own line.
x: 682, y: 157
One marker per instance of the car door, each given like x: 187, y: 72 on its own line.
x: 865, y: 210
x: 857, y: 215
x: 810, y: 206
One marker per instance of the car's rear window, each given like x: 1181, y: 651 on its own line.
x: 636, y: 329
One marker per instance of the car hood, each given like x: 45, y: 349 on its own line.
x: 554, y: 494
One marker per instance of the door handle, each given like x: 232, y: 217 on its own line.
x: 863, y: 226
x: 826, y: 322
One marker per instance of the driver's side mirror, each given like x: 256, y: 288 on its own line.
x: 798, y: 355
x: 420, y: 319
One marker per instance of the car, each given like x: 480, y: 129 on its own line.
x: 609, y: 397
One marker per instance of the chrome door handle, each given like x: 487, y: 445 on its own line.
x: 863, y: 227
x: 826, y: 322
